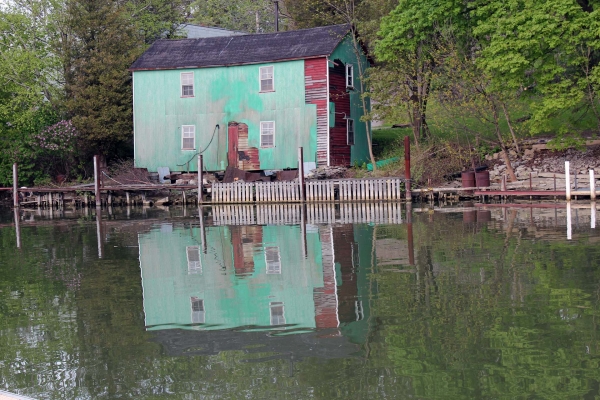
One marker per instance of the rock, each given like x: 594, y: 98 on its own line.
x: 327, y: 173
x: 528, y: 153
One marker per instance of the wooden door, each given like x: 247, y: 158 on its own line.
x: 239, y: 153
x: 233, y: 143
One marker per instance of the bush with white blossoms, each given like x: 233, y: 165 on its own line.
x: 60, y: 137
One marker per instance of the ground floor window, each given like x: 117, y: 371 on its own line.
x: 267, y: 134
x: 277, y: 313
x: 197, y: 310
x: 188, y: 137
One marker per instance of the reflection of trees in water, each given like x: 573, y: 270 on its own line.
x: 488, y: 311
x: 491, y: 313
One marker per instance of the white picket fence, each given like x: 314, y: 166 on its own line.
x: 382, y: 189
x: 370, y: 189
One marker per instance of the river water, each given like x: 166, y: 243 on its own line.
x: 286, y: 302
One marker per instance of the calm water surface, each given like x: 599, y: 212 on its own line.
x: 281, y: 303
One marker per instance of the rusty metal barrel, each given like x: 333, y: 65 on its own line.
x: 482, y: 179
x: 468, y: 179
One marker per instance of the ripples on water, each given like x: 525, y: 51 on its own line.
x: 284, y: 302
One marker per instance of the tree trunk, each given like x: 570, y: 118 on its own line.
x: 510, y: 127
x: 509, y: 167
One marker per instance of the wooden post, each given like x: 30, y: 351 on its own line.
x: 593, y: 215
x: 15, y: 186
x: 127, y: 198
x: 200, y: 183
x: 301, y: 174
x: 97, y: 182
x: 567, y: 183
x: 407, y: 167
x: 202, y: 229
x: 592, y: 185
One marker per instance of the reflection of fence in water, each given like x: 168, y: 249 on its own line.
x: 379, y: 189
x: 320, y: 213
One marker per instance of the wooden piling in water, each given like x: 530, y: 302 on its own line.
x: 592, y: 185
x: 200, y: 183
x: 407, y: 167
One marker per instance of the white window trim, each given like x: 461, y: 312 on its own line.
x: 182, y: 137
x: 349, y: 73
x: 260, y: 89
x: 192, y: 267
x: 348, y: 123
x: 201, y: 313
x: 261, y: 134
x: 273, y: 305
x: 181, y: 84
x: 275, y: 250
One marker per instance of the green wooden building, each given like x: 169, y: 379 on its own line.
x: 249, y: 101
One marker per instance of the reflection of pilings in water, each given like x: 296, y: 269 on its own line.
x: 99, y: 233
x: 314, y: 214
x: 303, y: 228
x: 18, y: 227
x: 409, y: 230
x: 569, y: 229
x: 593, y: 215
x: 202, y: 229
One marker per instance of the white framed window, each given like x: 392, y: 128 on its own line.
x: 350, y: 131
x: 349, y: 76
x: 277, y: 313
x: 187, y: 84
x: 273, y: 260
x: 267, y: 82
x: 198, y: 315
x: 267, y: 134
x: 193, y: 260
x: 188, y: 137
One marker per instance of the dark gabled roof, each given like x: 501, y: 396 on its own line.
x: 243, y: 49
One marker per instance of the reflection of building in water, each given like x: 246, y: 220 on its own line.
x: 252, y: 276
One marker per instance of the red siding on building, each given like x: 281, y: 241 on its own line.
x: 339, y: 148
x: 315, y: 80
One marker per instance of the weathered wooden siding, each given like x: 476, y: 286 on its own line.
x: 359, y: 153
x: 338, y: 95
x: 315, y: 78
x: 222, y: 95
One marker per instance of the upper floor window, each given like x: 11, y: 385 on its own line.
x: 273, y: 260
x: 267, y: 83
x: 349, y: 76
x: 187, y: 84
x: 188, y: 137
x: 350, y: 131
x: 267, y: 134
x: 193, y: 259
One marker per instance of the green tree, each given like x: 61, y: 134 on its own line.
x: 548, y: 48
x: 254, y: 16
